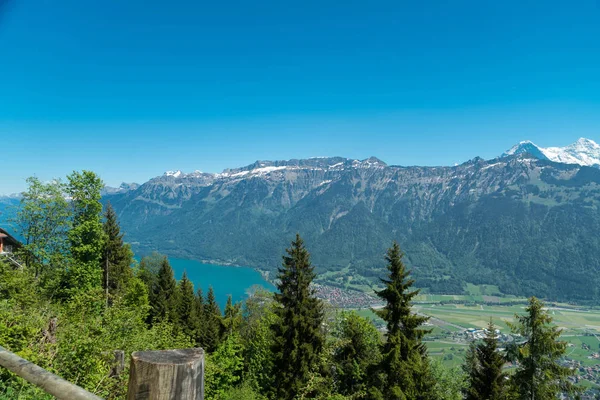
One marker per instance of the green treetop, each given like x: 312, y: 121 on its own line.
x: 117, y: 256
x: 485, y: 380
x: 188, y: 317
x: 86, y: 237
x: 405, y: 365
x: 356, y: 351
x: 539, y: 375
x: 43, y: 221
x: 298, y: 334
x: 232, y: 318
x: 212, y: 322
x: 164, y: 297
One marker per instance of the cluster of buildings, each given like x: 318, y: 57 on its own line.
x: 344, y: 298
x: 473, y: 334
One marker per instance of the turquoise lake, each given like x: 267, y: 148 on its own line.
x: 225, y: 280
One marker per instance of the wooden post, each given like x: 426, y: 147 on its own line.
x: 118, y: 363
x: 167, y: 375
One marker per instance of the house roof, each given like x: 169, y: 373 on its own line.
x: 5, y: 234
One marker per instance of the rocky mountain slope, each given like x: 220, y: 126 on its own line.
x: 526, y: 224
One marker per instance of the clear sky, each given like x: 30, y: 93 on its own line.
x: 131, y: 88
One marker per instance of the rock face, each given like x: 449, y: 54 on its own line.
x: 525, y: 224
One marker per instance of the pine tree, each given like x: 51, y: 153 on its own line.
x: 232, y: 318
x: 469, y: 368
x: 188, y: 317
x: 164, y: 295
x: 486, y: 381
x: 405, y: 363
x: 200, y: 317
x: 117, y: 256
x: 212, y: 322
x: 539, y: 375
x: 298, y: 333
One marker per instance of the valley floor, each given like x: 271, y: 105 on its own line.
x: 454, y: 326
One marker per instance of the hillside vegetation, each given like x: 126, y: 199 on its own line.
x: 528, y: 226
x: 77, y: 295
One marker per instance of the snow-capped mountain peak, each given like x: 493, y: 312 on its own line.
x: 583, y: 152
x: 174, y: 174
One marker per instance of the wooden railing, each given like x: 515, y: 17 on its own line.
x: 156, y: 375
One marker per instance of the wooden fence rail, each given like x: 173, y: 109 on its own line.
x: 154, y: 375
x: 50, y: 383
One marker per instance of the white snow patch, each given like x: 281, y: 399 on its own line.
x: 491, y: 165
x: 266, y: 170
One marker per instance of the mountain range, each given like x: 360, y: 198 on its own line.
x: 526, y: 222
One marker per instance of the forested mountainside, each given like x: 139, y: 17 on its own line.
x: 528, y: 225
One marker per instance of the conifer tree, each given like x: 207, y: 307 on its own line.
x: 200, y: 317
x: 188, y: 317
x: 165, y: 297
x: 212, y: 322
x: 232, y: 318
x: 539, y: 375
x: 486, y: 381
x: 117, y: 256
x: 298, y: 336
x: 405, y: 364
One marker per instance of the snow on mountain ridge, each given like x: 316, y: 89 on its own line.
x: 261, y: 168
x: 583, y: 152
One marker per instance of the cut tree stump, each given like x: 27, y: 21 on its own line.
x: 167, y: 375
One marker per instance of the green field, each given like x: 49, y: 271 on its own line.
x: 580, y: 326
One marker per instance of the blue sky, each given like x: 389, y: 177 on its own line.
x: 133, y: 88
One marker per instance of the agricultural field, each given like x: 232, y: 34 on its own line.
x: 449, y: 322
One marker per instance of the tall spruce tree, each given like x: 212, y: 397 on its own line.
x: 117, y: 256
x: 164, y: 297
x: 212, y: 322
x: 232, y: 317
x: 485, y: 380
x: 188, y: 316
x: 405, y: 364
x: 539, y: 376
x: 298, y: 335
x: 200, y: 317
